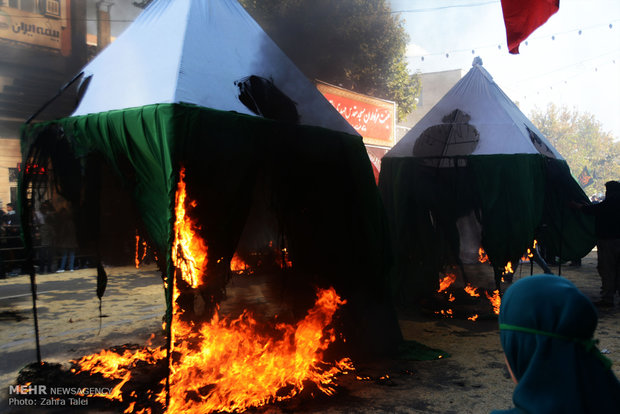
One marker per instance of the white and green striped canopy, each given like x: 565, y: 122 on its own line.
x: 193, y: 51
x: 475, y: 171
x: 501, y: 126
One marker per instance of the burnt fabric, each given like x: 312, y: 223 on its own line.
x: 322, y: 192
x: 476, y: 172
x: 522, y: 17
x: 516, y: 198
x: 546, y: 330
x: 564, y: 232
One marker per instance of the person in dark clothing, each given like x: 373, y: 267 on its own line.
x: 11, y: 228
x: 11, y: 221
x: 607, y: 229
x: 66, y: 241
x: 45, y: 224
x: 546, y: 330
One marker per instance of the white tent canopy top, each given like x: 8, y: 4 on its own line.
x: 193, y: 51
x: 474, y: 118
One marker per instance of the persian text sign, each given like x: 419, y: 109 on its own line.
x: 31, y: 28
x: 372, y: 118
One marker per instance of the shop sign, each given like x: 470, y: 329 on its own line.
x: 31, y: 28
x: 372, y: 118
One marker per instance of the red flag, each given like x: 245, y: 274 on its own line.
x: 522, y: 17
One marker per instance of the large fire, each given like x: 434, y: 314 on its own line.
x: 228, y: 365
x: 231, y: 366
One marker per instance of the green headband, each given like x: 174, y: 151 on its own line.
x: 588, y: 344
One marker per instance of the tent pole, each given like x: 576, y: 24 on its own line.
x: 25, y: 205
x: 60, y: 91
x: 169, y: 317
x: 33, y: 289
x: 561, y: 242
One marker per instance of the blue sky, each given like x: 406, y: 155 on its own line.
x: 559, y: 64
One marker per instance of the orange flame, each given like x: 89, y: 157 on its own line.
x: 231, y: 366
x: 530, y: 252
x: 144, y: 248
x: 114, y: 366
x: 508, y: 269
x: 471, y: 291
x: 482, y: 255
x: 473, y: 318
x: 136, y: 259
x: 448, y: 313
x: 495, y: 300
x: 445, y: 282
x: 189, y: 252
x: 284, y: 261
x: 237, y: 264
x: 228, y: 365
x: 451, y: 298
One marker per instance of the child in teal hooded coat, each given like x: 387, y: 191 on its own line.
x: 546, y: 329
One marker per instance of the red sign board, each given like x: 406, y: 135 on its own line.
x: 372, y: 118
x: 375, y: 155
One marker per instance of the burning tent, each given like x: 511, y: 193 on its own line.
x: 475, y: 172
x: 195, y: 95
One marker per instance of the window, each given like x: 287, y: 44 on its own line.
x: 13, y: 172
x: 26, y: 5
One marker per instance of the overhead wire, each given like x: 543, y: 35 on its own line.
x: 580, y: 32
x: 429, y: 9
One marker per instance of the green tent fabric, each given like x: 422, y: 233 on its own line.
x: 320, y: 187
x: 516, y: 199
x: 475, y: 172
x: 199, y: 85
x: 512, y: 198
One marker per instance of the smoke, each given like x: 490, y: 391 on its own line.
x: 348, y: 42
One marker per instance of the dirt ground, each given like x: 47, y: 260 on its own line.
x: 472, y: 379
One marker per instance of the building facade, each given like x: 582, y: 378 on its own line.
x: 42, y: 46
x: 374, y: 119
x: 433, y: 87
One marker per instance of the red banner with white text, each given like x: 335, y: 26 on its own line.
x: 372, y: 118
